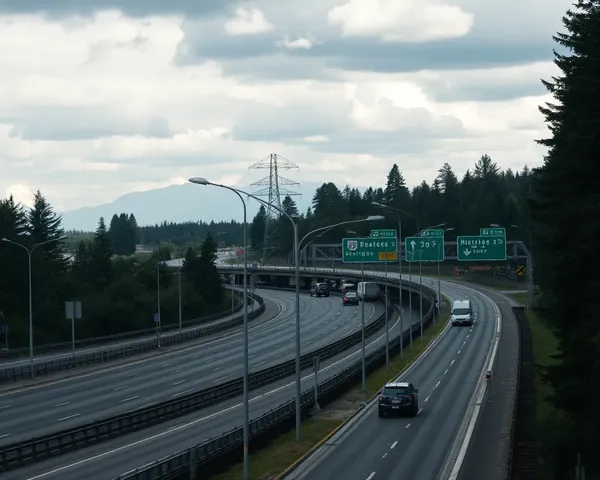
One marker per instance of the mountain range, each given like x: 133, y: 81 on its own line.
x: 179, y: 203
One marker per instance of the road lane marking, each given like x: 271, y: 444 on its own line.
x: 408, y: 425
x: 165, y: 365
x: 419, y: 412
x: 129, y: 398
x: 177, y: 371
x: 394, y: 445
x: 427, y: 399
x: 5, y: 406
x: 437, y: 384
x: 222, y: 378
x: 132, y: 375
x: 259, y: 364
x: 198, y: 420
x: 68, y: 417
x: 62, y: 404
x: 371, y: 476
x: 458, y: 352
x: 182, y: 393
x: 120, y: 388
x: 445, y: 371
x: 452, y: 362
x: 179, y: 382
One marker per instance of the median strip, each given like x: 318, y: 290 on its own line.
x: 284, y: 454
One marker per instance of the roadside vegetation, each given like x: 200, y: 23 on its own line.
x: 274, y: 459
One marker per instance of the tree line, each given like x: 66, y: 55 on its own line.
x: 118, y: 291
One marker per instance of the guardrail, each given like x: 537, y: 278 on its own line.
x: 49, y: 367
x: 21, y: 453
x: 523, y: 462
x: 65, y: 347
x: 217, y: 454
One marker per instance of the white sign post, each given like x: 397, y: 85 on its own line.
x: 73, y: 312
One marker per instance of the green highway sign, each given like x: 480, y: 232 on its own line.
x: 481, y: 248
x: 433, y: 232
x: 419, y: 249
x: 492, y: 231
x: 384, y: 233
x: 369, y: 250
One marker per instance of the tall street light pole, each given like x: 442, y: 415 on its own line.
x: 246, y: 398
x: 399, y: 212
x: 29, y: 254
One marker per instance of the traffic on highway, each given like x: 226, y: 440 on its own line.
x: 69, y: 402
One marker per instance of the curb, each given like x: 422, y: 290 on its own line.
x: 362, y: 408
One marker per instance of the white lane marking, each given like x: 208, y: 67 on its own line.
x: 221, y: 378
x: 259, y: 364
x: 394, y: 445
x: 217, y: 369
x: 458, y: 352
x: 120, y: 388
x: 132, y: 375
x: 179, y: 382
x: 182, y: 393
x: 384, y: 455
x: 129, y: 398
x: 437, y: 384
x: 427, y: 399
x: 419, y: 412
x: 371, y: 476
x: 198, y: 420
x: 4, y: 435
x: 252, y: 356
x: 408, y: 425
x: 445, y: 371
x: 62, y: 404
x: 166, y: 365
x: 147, y: 405
x: 5, y: 406
x: 68, y: 417
x: 452, y: 362
x: 177, y: 371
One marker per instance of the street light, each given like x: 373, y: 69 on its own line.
x: 399, y: 213
x: 29, y: 253
x: 246, y: 399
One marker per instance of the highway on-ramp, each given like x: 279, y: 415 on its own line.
x: 43, y: 409
x: 110, y: 459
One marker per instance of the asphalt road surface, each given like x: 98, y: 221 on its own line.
x: 415, y: 448
x: 110, y: 459
x: 109, y: 346
x: 38, y: 410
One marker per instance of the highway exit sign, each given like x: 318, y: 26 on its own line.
x: 369, y: 250
x: 481, y: 248
x: 492, y: 231
x: 419, y: 249
x: 384, y: 233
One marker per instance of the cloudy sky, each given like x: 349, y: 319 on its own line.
x: 104, y: 97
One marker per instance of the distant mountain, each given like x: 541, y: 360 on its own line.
x: 178, y: 203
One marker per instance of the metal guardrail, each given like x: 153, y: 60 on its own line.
x: 65, y: 347
x: 49, y: 367
x: 213, y: 455
x: 21, y: 453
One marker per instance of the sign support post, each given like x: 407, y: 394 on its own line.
x: 73, y: 312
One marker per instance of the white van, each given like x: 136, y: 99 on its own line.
x: 462, y: 313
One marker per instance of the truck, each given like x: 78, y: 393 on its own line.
x: 367, y: 291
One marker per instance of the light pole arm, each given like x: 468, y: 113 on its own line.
x: 328, y: 227
x: 20, y: 245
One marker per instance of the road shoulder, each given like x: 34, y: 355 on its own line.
x: 488, y: 453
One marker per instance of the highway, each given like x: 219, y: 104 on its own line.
x: 110, y: 459
x: 24, y: 361
x: 42, y: 409
x: 415, y: 448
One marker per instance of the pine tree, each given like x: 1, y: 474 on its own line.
x: 210, y: 285
x: 100, y: 258
x: 257, y: 229
x: 564, y: 207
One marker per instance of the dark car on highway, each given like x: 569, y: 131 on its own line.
x: 320, y: 290
x: 350, y: 298
x: 399, y: 397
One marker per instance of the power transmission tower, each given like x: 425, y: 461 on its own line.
x: 273, y: 187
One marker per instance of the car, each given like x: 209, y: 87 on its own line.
x: 350, y: 298
x: 320, y: 290
x: 399, y: 397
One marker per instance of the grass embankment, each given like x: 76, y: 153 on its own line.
x: 545, y: 345
x: 269, y: 462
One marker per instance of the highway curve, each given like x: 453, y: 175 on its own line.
x: 43, y: 409
x: 415, y: 448
x: 110, y: 459
x: 22, y: 362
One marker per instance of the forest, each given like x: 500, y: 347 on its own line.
x: 118, y: 291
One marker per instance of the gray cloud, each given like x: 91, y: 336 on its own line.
x: 485, y: 92
x: 80, y: 123
x: 134, y: 8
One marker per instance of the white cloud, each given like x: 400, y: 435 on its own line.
x: 401, y: 20
x: 299, y: 43
x: 248, y: 22
x: 95, y: 108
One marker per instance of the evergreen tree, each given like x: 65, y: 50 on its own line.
x: 566, y: 200
x: 100, y: 258
x: 209, y: 278
x: 257, y: 229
